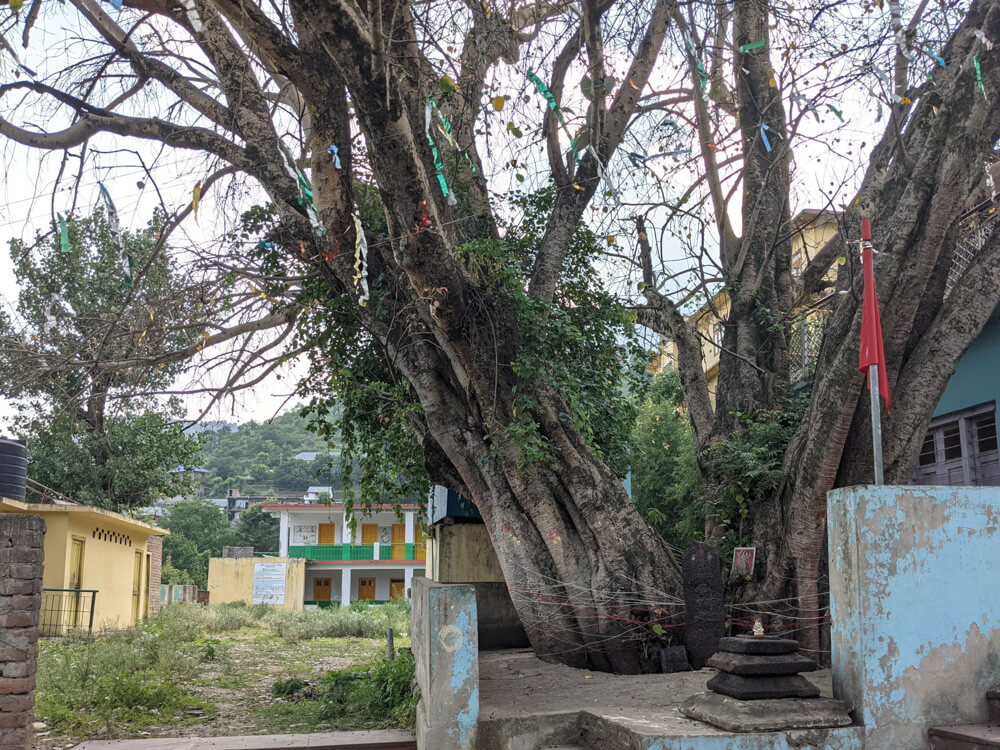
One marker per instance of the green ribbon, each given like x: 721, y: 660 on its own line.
x: 438, y: 165
x: 836, y: 112
x: 63, y: 234
x: 554, y: 106
x: 979, y: 75
x: 305, y: 191
x: 446, y: 126
x: 744, y: 48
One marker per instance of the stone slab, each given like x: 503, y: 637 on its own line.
x: 674, y: 659
x: 965, y: 736
x: 765, y: 715
x: 757, y: 688
x: 758, y: 646
x: 749, y: 665
x: 704, y: 602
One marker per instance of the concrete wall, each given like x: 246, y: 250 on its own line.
x: 915, y: 602
x: 231, y: 580
x: 460, y: 553
x: 446, y: 650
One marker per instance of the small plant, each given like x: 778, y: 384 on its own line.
x: 287, y: 688
x: 379, y: 696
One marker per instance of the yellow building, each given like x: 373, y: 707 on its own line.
x: 811, y: 230
x: 100, y: 567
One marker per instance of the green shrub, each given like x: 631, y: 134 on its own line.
x: 356, y: 621
x: 226, y: 617
x: 287, y: 688
x: 378, y: 696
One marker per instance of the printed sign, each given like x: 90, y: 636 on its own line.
x: 385, y: 534
x: 743, y: 562
x: 269, y: 583
x: 304, y: 535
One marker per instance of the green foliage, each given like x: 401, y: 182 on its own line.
x: 262, y: 453
x: 666, y: 481
x: 577, y: 344
x: 362, y: 621
x: 376, y: 697
x: 257, y: 529
x: 746, y: 467
x: 171, y: 574
x: 124, y: 465
x: 88, y: 435
x: 198, y: 531
x: 287, y: 688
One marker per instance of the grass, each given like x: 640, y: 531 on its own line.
x: 195, y: 671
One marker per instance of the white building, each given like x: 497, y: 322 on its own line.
x: 376, y: 563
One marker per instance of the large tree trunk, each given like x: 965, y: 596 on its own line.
x: 914, y: 192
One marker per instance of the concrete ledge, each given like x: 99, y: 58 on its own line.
x: 388, y: 739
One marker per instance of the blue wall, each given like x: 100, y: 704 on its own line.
x: 976, y: 379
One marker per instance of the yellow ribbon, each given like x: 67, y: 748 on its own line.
x: 360, y: 250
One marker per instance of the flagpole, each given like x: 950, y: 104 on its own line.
x: 873, y: 386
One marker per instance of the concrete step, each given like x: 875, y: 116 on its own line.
x: 367, y: 740
x: 965, y: 737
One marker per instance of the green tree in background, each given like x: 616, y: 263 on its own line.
x: 93, y: 434
x: 257, y: 529
x: 665, y: 477
x: 198, y: 531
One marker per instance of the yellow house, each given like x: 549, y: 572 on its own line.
x: 811, y: 230
x: 100, y: 567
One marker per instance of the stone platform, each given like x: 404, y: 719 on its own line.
x: 528, y: 704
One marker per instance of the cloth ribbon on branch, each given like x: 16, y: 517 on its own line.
x: 192, y: 15
x: 872, y: 351
x: 979, y: 76
x: 438, y: 165
x: 744, y: 48
x: 334, y: 156
x: 305, y: 191
x: 116, y: 4
x: 896, y: 19
x: 556, y: 110
x: 763, y: 136
x: 63, y: 234
x: 702, y: 75
x: 116, y: 233
x: 445, y: 128
x: 360, y: 257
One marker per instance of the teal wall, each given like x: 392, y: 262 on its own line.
x: 976, y: 379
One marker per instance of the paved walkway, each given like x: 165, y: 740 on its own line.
x: 388, y: 739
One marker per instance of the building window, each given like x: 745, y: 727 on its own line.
x: 961, y: 449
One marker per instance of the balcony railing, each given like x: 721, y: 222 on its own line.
x: 359, y: 552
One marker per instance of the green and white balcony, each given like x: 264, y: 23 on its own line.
x: 403, y: 552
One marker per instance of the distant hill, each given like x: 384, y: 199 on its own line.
x: 216, y: 426
x: 263, y: 453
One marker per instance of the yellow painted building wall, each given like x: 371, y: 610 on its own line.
x: 110, y: 544
x: 231, y: 580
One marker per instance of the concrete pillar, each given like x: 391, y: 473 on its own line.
x: 445, y: 642
x: 347, y: 537
x: 154, y: 546
x: 409, y: 536
x: 375, y: 551
x: 22, y: 539
x: 283, y: 534
x: 915, y: 604
x: 407, y: 581
x: 345, y: 587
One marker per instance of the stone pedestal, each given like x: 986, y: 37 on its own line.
x: 759, y: 687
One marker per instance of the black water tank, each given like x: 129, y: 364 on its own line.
x: 13, y: 468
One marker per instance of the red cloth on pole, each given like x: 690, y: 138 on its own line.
x: 872, y: 351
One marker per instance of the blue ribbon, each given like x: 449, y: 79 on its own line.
x: 334, y: 156
x: 116, y: 4
x: 763, y: 134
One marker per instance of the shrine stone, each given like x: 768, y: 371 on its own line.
x: 674, y: 659
x: 762, y: 686
x: 704, y: 602
x: 758, y: 645
x: 748, y: 665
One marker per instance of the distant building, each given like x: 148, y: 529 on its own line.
x: 197, y: 473
x: 309, y: 455
x: 375, y: 562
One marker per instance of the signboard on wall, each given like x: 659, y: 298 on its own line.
x: 385, y: 534
x: 269, y: 583
x: 304, y: 535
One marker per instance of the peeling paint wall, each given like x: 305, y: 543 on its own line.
x: 915, y: 602
x: 445, y: 640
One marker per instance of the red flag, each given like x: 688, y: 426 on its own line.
x: 872, y: 352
